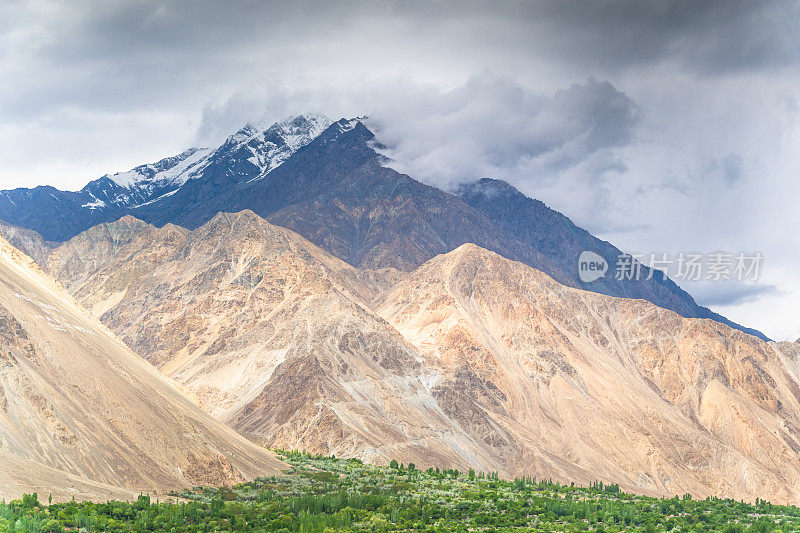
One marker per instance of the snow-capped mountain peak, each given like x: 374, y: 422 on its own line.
x: 248, y: 155
x: 269, y: 145
x: 346, y: 125
x: 296, y: 131
x: 301, y: 130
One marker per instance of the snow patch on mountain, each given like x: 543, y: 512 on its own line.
x: 173, y: 170
x: 154, y: 200
x: 267, y: 146
x: 346, y: 125
x: 146, y: 183
x: 95, y: 203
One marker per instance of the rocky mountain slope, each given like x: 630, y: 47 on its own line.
x: 469, y: 360
x: 28, y: 242
x: 81, y: 414
x: 327, y: 182
x: 561, y: 380
x: 267, y: 332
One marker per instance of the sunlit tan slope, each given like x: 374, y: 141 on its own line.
x: 269, y: 333
x: 566, y: 383
x: 75, y: 399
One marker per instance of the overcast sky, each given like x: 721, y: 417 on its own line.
x: 661, y: 126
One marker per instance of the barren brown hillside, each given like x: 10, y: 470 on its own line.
x: 81, y: 414
x: 471, y: 359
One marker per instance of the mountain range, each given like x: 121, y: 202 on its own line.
x: 470, y: 360
x: 343, y: 308
x: 328, y: 182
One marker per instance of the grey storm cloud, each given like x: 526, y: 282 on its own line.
x: 119, y: 54
x: 712, y: 35
x: 708, y: 36
x: 488, y: 126
x: 495, y: 127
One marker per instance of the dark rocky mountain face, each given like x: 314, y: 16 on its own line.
x: 56, y: 215
x: 332, y: 187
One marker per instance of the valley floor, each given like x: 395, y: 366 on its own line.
x: 322, y: 494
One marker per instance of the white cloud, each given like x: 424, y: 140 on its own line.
x: 497, y: 127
